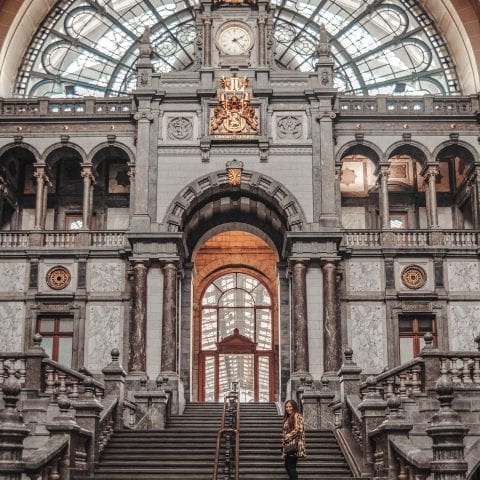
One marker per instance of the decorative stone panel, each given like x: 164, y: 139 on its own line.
x: 103, y: 332
x: 46, y: 266
x: 367, y: 336
x: 179, y: 127
x: 405, y: 280
x: 12, y: 316
x: 463, y: 276
x: 12, y: 277
x: 106, y: 277
x: 463, y: 325
x: 364, y: 276
x: 289, y: 126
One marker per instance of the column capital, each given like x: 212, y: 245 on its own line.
x: 429, y: 169
x: 330, y: 262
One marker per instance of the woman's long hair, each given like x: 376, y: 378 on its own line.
x: 290, y: 419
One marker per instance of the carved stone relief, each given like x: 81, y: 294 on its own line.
x: 104, y: 333
x: 367, y: 332
x: 12, y: 277
x: 106, y: 277
x: 180, y: 128
x: 12, y: 316
x: 463, y: 276
x: 365, y: 277
x: 289, y: 127
x: 463, y: 323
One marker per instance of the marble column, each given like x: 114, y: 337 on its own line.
x: 39, y: 174
x: 169, y: 324
x: 383, y: 196
x: 475, y: 179
x: 2, y: 193
x: 431, y: 174
x: 300, y: 319
x: 332, y: 343
x: 87, y: 185
x: 137, y: 361
x: 261, y: 40
x: 47, y: 184
x: 131, y: 176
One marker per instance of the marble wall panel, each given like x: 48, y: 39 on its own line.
x: 315, y: 320
x: 106, y: 277
x: 12, y: 277
x: 463, y: 276
x: 463, y: 325
x: 364, y: 276
x: 103, y: 332
x: 118, y: 218
x: 353, y: 217
x: 367, y: 336
x: 12, y: 317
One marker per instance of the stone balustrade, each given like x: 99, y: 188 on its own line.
x: 63, y: 239
x: 36, y: 107
x: 427, y: 105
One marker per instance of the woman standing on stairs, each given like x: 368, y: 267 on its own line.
x: 293, y: 438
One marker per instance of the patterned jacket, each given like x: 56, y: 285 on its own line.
x: 296, y: 435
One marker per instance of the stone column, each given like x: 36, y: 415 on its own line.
x: 447, y: 433
x: 47, y: 184
x: 332, y: 344
x: 137, y: 362
x: 384, y: 205
x: 207, y: 28
x: 87, y: 185
x: 475, y: 178
x: 261, y: 39
x: 169, y: 324
x: 300, y: 319
x: 131, y: 176
x: 431, y: 179
x: 39, y: 174
x: 2, y: 193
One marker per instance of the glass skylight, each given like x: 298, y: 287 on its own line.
x: 89, y: 47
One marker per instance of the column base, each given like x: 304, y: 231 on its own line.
x: 176, y: 389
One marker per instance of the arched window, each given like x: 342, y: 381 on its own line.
x: 236, y: 338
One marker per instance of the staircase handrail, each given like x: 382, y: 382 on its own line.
x: 40, y: 460
x: 234, y: 397
x: 106, y: 424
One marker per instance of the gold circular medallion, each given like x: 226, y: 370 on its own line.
x: 58, y: 278
x: 414, y: 276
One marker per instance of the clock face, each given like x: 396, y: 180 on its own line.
x: 234, y: 40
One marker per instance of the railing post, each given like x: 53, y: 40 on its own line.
x: 114, y: 380
x: 33, y: 365
x: 447, y: 433
x: 12, y: 431
x: 373, y: 413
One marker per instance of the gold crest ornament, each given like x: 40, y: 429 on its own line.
x: 414, y: 277
x: 58, y: 278
x: 234, y: 172
x: 234, y: 114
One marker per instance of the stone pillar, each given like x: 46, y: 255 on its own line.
x: 39, y: 174
x: 2, y: 193
x: 475, y: 179
x: 384, y: 205
x: 12, y: 432
x: 47, y: 184
x: 169, y: 324
x: 114, y: 380
x: 131, y: 176
x: 87, y: 185
x: 332, y: 341
x: 137, y: 362
x: 261, y: 39
x: 207, y: 28
x: 447, y: 433
x: 300, y: 319
x: 431, y: 171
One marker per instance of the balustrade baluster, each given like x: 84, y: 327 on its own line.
x: 454, y: 372
x: 402, y: 389
x: 50, y: 381
x: 416, y: 380
x: 443, y: 366
x: 466, y: 372
x: 74, y: 389
x: 390, y: 388
x: 476, y: 371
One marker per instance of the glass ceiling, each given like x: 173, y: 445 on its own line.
x: 89, y: 47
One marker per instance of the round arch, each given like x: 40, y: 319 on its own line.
x: 210, y: 201
x: 25, y: 146
x: 409, y: 148
x: 365, y: 148
x: 57, y: 146
x: 105, y: 145
x: 458, y: 143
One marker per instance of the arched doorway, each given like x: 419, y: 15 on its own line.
x: 235, y: 317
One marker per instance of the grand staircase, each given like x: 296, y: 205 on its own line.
x: 186, y: 449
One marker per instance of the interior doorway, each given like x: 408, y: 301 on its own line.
x: 235, y: 318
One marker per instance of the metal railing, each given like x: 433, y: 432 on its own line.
x: 230, y: 432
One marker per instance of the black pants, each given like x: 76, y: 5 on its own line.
x: 291, y: 467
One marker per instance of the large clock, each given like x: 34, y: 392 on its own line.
x: 234, y: 39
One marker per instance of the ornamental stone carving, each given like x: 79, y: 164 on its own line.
x: 12, y: 315
x: 414, y: 277
x: 463, y: 321
x: 365, y: 277
x: 106, y: 277
x: 463, y: 276
x: 12, y: 277
x: 180, y: 128
x: 58, y: 278
x: 289, y: 127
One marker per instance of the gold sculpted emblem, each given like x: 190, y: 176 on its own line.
x: 414, y: 277
x: 234, y: 114
x: 58, y: 278
x: 234, y: 172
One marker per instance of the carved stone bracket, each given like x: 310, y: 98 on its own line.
x: 143, y: 116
